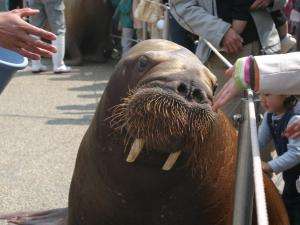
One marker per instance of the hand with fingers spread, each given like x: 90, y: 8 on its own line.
x: 15, y: 34
x: 260, y: 4
x: 232, y: 42
x: 228, y: 92
x: 240, y: 79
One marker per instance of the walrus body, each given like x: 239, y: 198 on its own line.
x: 88, y: 30
x: 155, y: 108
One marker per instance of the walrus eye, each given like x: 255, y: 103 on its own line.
x: 142, y: 63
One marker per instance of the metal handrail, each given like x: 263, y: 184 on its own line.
x: 244, y: 191
x: 240, y: 188
x: 260, y: 196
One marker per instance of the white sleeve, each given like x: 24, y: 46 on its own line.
x: 279, y: 74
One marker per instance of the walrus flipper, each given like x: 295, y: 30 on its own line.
x: 50, y: 217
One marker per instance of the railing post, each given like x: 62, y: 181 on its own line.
x: 166, y: 24
x: 145, y: 35
x: 244, y: 191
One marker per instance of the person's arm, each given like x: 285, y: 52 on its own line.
x: 278, y: 5
x: 293, y: 129
x: 290, y: 158
x: 264, y: 138
x: 264, y: 134
x: 272, y: 5
x: 194, y: 18
x: 279, y: 74
x: 240, y: 15
x: 272, y: 74
x: 15, y: 34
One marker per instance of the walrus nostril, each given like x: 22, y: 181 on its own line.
x: 198, y: 96
x: 182, y: 89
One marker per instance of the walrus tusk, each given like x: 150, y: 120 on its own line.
x: 171, y: 161
x: 135, y: 150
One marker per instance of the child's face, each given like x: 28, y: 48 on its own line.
x: 273, y: 103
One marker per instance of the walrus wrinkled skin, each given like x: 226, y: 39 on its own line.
x: 181, y: 167
x: 88, y: 30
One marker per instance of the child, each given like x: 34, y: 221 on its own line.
x: 287, y: 41
x: 280, y: 113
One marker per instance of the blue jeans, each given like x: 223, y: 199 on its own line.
x: 51, y: 10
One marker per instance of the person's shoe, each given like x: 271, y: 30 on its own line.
x: 38, y: 67
x: 62, y: 69
x: 288, y: 43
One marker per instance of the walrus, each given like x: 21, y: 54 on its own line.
x: 155, y: 152
x: 88, y: 25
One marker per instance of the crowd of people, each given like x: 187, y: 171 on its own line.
x: 129, y: 17
x: 256, y: 35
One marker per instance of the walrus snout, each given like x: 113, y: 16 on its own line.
x: 191, y: 91
x: 163, y: 119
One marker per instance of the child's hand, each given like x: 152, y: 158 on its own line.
x: 266, y: 168
x: 260, y: 4
x: 293, y: 131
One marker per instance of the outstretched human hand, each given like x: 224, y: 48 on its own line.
x: 15, y: 34
x: 229, y: 91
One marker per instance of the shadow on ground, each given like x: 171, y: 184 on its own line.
x: 80, y: 114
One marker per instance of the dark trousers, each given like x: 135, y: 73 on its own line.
x: 298, y: 36
x: 13, y: 4
x: 291, y: 198
x: 294, y: 214
x: 181, y: 36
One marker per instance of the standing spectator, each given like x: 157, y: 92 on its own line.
x: 53, y: 11
x: 212, y: 20
x: 297, y: 21
x: 288, y: 43
x: 137, y: 24
x: 124, y: 14
x: 14, y: 4
x: 181, y: 36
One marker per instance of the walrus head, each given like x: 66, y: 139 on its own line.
x: 168, y: 107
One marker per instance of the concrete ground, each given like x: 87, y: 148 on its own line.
x: 42, y: 121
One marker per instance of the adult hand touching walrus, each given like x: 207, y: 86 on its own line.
x: 15, y: 34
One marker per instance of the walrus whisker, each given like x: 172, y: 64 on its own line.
x: 157, y: 116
